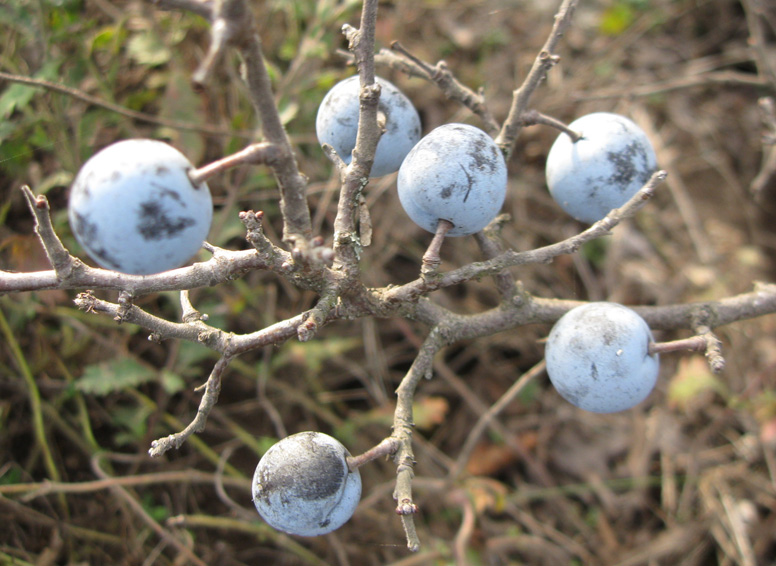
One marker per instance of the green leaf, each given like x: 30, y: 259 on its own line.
x: 693, y: 379
x: 148, y: 49
x: 18, y: 96
x: 312, y: 355
x: 616, y: 19
x: 172, y: 382
x: 116, y: 375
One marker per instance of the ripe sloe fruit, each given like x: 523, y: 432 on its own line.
x: 597, y: 357
x: 455, y: 173
x: 134, y: 209
x: 601, y: 171
x: 303, y: 486
x: 337, y: 123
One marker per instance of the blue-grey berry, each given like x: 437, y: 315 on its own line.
x: 454, y: 173
x: 598, y: 357
x: 601, y: 171
x: 134, y: 209
x: 302, y: 485
x: 337, y: 123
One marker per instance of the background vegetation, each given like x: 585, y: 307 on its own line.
x: 689, y: 477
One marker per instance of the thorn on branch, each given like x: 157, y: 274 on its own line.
x: 335, y: 158
x: 190, y: 314
x: 60, y: 259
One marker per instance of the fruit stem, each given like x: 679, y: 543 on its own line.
x: 705, y: 341
x: 387, y: 447
x: 692, y: 344
x: 533, y: 117
x: 431, y: 259
x: 256, y: 153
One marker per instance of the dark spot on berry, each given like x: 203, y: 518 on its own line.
x: 318, y: 472
x: 630, y: 164
x: 155, y: 224
x: 164, y: 192
x: 87, y: 232
x: 483, y: 153
x: 83, y: 227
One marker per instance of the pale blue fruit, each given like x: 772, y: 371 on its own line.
x: 337, y: 124
x: 134, y: 209
x: 598, y: 359
x: 601, y: 171
x: 302, y: 485
x: 455, y: 173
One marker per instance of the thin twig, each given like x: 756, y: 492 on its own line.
x: 347, y: 243
x: 544, y: 61
x: 484, y: 421
x: 133, y: 114
x: 209, y: 398
x: 403, y: 425
x: 465, y: 531
x: 60, y: 259
x: 540, y: 255
x: 138, y: 509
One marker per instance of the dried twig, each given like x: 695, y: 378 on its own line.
x: 542, y: 64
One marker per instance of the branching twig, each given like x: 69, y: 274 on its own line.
x: 540, y: 255
x: 491, y: 247
x: 209, y: 398
x: 441, y: 75
x: 297, y: 227
x: 403, y: 425
x: 347, y: 244
x: 542, y: 64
